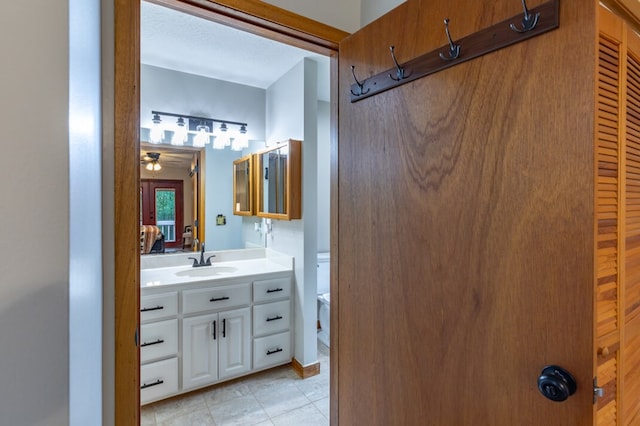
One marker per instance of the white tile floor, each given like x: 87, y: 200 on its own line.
x: 276, y: 397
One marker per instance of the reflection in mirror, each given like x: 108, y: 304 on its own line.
x: 275, y: 180
x: 279, y: 181
x: 243, y: 186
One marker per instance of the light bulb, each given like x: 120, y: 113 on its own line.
x: 156, y: 134
x: 149, y: 166
x: 156, y: 167
x: 236, y: 145
x: 180, y: 133
x: 202, y: 137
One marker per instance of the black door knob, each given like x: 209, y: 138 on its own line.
x: 556, y: 383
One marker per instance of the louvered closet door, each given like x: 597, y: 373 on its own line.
x: 630, y: 315
x: 618, y: 222
x: 607, y: 212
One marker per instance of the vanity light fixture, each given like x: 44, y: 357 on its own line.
x: 201, y: 128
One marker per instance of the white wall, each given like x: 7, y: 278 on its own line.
x: 34, y: 265
x: 219, y: 200
x: 181, y: 93
x: 85, y: 221
x: 341, y: 14
x: 324, y: 176
x: 292, y: 114
x: 370, y: 10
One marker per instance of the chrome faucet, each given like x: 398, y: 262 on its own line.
x: 202, y: 262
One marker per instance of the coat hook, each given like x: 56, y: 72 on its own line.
x: 399, y: 70
x: 454, y: 49
x: 360, y: 85
x: 529, y: 21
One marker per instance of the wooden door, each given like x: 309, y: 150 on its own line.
x: 156, y: 210
x: 465, y: 226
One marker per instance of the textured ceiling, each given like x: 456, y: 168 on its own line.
x: 181, y: 42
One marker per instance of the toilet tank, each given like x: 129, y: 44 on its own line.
x: 323, y: 273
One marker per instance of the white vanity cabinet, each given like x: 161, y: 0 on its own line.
x: 158, y: 346
x: 271, y: 322
x: 195, y: 334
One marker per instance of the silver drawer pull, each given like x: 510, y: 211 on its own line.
x: 218, y: 299
x: 274, y: 351
x: 157, y: 342
x: 277, y: 317
x: 155, y: 308
x: 274, y: 290
x: 148, y: 385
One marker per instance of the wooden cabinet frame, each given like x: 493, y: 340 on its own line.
x: 291, y: 195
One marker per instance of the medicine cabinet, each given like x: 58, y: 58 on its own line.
x: 278, y: 179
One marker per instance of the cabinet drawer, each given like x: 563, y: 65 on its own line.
x: 266, y: 290
x: 158, y: 339
x: 158, y: 306
x: 158, y: 380
x: 271, y: 350
x: 216, y: 298
x: 271, y: 317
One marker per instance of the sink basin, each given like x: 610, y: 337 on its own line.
x: 205, y: 271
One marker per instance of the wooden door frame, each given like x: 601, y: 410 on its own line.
x: 253, y: 16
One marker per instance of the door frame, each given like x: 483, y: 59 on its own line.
x: 253, y: 16
x: 148, y: 188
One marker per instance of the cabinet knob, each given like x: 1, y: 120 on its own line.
x: 603, y: 351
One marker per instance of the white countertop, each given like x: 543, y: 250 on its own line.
x: 186, y: 274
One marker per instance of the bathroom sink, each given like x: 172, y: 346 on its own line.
x: 206, y: 271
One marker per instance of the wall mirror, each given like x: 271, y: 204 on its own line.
x: 279, y: 181
x: 243, y: 186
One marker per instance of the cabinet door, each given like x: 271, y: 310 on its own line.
x: 235, y: 341
x: 200, y: 336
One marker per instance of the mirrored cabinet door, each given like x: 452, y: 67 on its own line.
x: 279, y: 181
x: 243, y: 186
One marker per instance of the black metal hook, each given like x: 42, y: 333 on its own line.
x: 399, y: 70
x: 454, y: 49
x: 360, y: 85
x: 529, y: 21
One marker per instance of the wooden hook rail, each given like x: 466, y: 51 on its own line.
x: 472, y: 46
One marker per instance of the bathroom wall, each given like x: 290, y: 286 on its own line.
x: 219, y: 200
x: 324, y: 176
x: 292, y: 113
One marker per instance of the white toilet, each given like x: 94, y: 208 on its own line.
x: 324, y: 297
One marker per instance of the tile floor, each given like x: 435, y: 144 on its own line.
x: 276, y: 397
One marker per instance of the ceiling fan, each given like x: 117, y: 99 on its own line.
x: 152, y: 160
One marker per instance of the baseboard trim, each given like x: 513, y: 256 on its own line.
x: 305, y: 372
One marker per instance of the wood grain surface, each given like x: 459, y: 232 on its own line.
x: 465, y: 209
x: 127, y: 211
